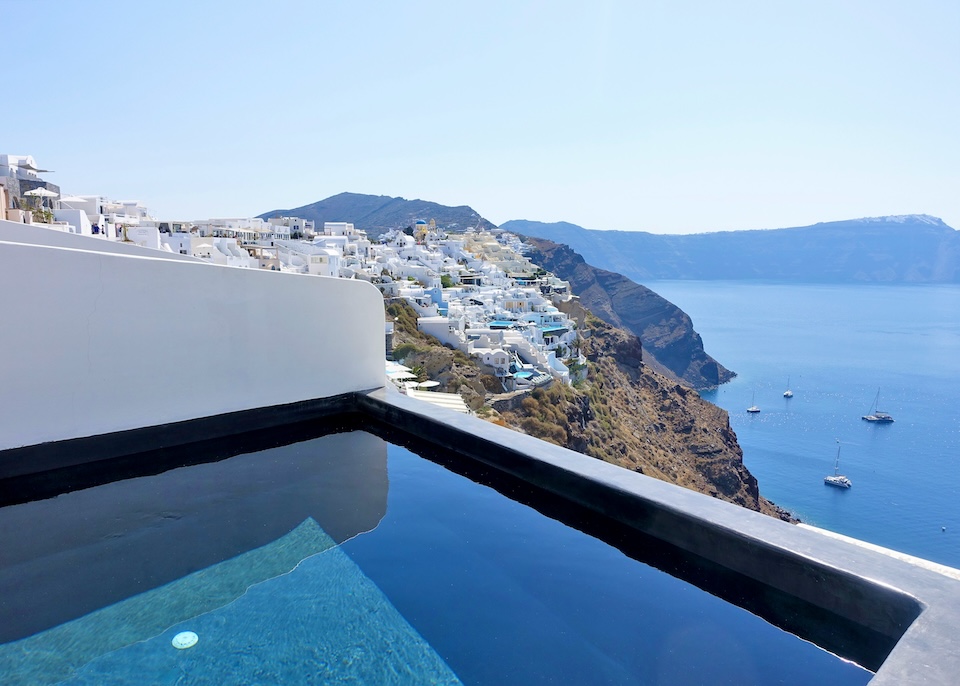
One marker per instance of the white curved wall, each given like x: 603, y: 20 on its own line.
x: 93, y: 342
x: 41, y: 235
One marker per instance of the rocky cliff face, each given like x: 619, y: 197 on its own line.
x: 624, y: 412
x: 664, y: 329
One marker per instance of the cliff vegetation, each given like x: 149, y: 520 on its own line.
x: 622, y: 412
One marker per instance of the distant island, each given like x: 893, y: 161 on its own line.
x: 898, y: 249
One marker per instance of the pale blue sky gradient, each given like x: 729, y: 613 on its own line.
x: 656, y: 116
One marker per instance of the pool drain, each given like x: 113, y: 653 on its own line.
x: 184, y: 640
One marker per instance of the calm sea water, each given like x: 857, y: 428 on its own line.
x: 839, y: 344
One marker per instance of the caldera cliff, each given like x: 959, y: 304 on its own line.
x: 621, y: 411
x: 670, y: 344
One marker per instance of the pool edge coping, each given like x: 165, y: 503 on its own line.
x: 920, y: 605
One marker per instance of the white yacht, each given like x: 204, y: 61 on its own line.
x: 788, y: 393
x: 837, y: 479
x: 877, y: 415
x: 753, y: 409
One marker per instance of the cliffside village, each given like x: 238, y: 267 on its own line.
x: 473, y: 290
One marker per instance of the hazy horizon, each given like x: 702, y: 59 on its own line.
x: 626, y: 116
x: 766, y: 228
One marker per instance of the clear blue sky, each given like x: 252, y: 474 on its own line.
x: 656, y: 116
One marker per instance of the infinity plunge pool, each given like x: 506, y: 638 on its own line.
x: 346, y: 559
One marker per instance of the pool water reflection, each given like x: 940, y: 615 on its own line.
x: 345, y: 557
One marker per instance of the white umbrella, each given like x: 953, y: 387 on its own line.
x: 401, y: 375
x: 69, y: 201
x: 428, y: 384
x: 41, y: 193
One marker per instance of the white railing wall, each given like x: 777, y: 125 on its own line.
x: 94, y: 342
x: 41, y: 234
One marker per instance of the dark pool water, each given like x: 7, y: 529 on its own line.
x: 345, y: 559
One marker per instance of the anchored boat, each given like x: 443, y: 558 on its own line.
x: 788, y: 393
x: 837, y: 479
x: 877, y: 415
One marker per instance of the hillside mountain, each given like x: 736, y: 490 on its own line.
x: 900, y: 249
x: 377, y: 214
x: 665, y: 330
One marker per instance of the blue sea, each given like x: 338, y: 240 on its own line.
x: 839, y: 345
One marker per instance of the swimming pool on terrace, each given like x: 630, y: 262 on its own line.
x: 98, y: 411
x: 328, y: 552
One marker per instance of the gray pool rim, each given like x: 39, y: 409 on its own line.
x: 911, y: 612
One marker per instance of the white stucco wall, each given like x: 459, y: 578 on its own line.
x: 87, y: 338
x: 40, y: 235
x: 75, y: 218
x: 439, y: 328
x: 146, y: 236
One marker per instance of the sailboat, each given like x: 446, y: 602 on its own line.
x: 753, y: 409
x: 877, y: 415
x: 837, y: 479
x: 788, y: 393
